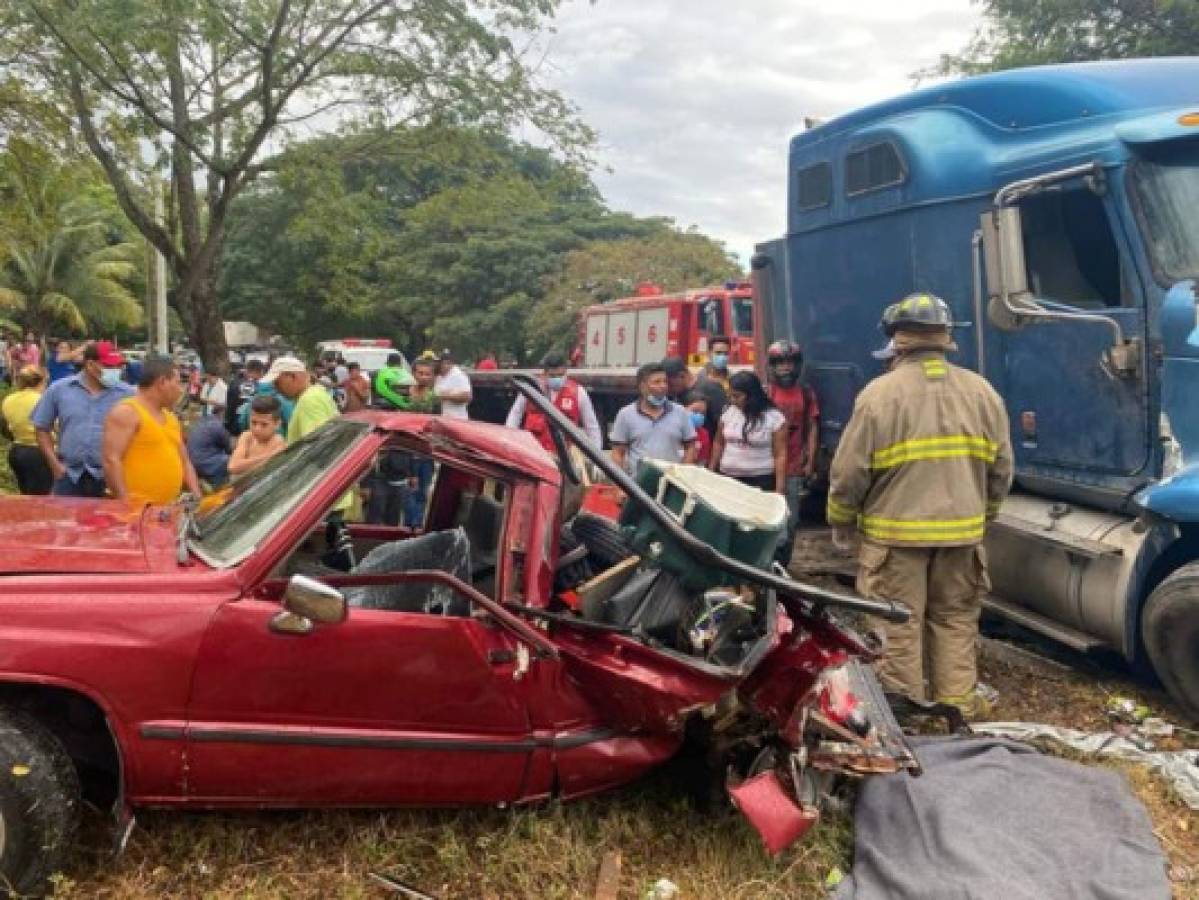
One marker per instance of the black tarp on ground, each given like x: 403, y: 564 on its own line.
x: 996, y: 820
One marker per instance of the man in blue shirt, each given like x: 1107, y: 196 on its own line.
x: 78, y: 406
x: 209, y: 447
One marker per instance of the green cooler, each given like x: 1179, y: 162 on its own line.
x: 739, y: 521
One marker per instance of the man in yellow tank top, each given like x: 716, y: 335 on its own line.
x: 145, y: 459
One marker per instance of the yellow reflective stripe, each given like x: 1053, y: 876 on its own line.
x: 942, y: 447
x: 934, y: 368
x: 928, y: 530
x: 838, y: 514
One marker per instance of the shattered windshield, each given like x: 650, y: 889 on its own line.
x: 233, y: 521
x: 1167, y: 184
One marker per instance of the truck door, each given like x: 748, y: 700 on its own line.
x: 1069, y: 409
x: 595, y: 351
x: 622, y: 338
x: 651, y: 334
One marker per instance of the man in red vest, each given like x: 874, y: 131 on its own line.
x: 797, y: 402
x: 567, y: 395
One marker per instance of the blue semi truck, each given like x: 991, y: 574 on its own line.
x: 1057, y: 210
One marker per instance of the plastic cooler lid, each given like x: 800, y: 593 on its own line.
x: 731, y: 499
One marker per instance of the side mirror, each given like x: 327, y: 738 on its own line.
x: 1007, y: 278
x: 307, y: 602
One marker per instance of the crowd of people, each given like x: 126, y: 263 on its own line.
x: 762, y: 435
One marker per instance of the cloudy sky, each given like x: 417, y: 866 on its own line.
x: 695, y: 100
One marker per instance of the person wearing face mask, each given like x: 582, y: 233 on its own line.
x: 713, y: 382
x: 77, y: 407
x: 567, y: 395
x: 653, y: 427
x: 697, y: 409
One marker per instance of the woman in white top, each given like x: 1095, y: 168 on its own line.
x: 751, y: 441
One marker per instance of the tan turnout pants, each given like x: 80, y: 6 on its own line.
x: 943, y: 587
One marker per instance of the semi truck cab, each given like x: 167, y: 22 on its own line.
x: 1055, y: 209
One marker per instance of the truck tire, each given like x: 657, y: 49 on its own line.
x: 39, y: 805
x: 1170, y: 631
x: 606, y: 546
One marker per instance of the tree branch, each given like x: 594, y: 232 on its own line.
x: 152, y: 231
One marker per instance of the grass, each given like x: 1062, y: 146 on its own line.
x: 552, y: 851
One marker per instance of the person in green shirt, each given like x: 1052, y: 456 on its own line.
x: 314, y: 407
x: 393, y: 383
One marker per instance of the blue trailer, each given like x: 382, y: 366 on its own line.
x: 1057, y: 210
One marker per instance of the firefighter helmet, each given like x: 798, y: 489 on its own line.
x: 784, y: 352
x: 917, y: 311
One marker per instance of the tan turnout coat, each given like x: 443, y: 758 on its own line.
x: 926, y: 458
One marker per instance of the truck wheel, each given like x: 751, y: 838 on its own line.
x: 1170, y: 630
x: 605, y: 544
x: 39, y: 805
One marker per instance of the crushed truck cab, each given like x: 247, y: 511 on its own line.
x: 204, y: 656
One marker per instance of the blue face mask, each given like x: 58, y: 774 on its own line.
x: 697, y: 419
x: 720, y: 360
x: 655, y: 400
x: 110, y: 378
x: 556, y: 382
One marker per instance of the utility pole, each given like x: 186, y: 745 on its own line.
x: 159, y: 340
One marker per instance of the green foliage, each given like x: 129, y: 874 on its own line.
x: 436, y: 236
x: 608, y: 270
x: 206, y: 85
x: 66, y: 260
x: 1036, y: 32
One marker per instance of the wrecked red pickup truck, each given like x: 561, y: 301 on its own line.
x: 204, y: 656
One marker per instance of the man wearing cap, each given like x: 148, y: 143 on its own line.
x: 314, y: 407
x: 77, y: 406
x: 452, y: 387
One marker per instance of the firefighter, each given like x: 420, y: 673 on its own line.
x: 923, y: 464
x: 797, y: 402
x: 567, y: 395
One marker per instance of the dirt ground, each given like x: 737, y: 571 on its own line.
x: 555, y: 851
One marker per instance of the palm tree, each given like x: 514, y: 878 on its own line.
x: 64, y: 263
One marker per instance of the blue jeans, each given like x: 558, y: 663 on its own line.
x: 88, y: 485
x: 414, y: 498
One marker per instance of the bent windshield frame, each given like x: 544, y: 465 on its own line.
x: 1165, y: 189
x: 256, y: 504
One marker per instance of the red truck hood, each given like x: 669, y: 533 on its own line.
x: 43, y: 534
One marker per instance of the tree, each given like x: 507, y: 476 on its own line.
x: 1036, y: 32
x: 435, y: 236
x: 65, y: 263
x: 208, y: 84
x: 608, y: 270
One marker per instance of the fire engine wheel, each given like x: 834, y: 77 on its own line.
x: 1170, y: 630
x: 39, y: 805
x: 606, y: 546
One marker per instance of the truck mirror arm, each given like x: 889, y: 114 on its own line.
x: 790, y: 591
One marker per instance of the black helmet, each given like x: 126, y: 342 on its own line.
x: 919, y: 311
x: 784, y: 351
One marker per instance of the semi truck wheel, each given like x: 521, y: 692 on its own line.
x: 1170, y: 630
x: 39, y: 805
